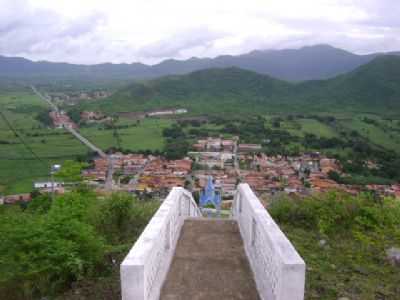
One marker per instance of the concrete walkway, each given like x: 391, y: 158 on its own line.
x: 209, y: 263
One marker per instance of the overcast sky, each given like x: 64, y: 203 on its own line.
x: 148, y: 31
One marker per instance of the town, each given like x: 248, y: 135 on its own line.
x: 186, y: 150
x: 227, y: 161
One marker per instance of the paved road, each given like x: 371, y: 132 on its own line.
x: 85, y: 141
x: 210, y: 264
x: 45, y: 98
x: 110, y: 172
x: 71, y: 130
x: 236, y: 160
x: 134, y: 181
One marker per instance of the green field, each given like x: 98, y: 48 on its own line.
x: 385, y: 134
x: 18, y: 166
x: 300, y: 127
x: 146, y: 135
x: 345, y: 254
x: 382, y: 133
x: 19, y: 169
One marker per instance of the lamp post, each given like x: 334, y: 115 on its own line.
x: 53, y: 170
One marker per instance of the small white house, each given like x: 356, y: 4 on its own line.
x: 47, y: 184
x: 181, y: 111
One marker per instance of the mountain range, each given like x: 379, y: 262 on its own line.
x: 307, y: 63
x: 373, y: 87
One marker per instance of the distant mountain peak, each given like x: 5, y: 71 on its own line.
x: 320, y: 61
x: 320, y: 46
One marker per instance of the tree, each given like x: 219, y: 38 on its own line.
x: 75, y: 114
x: 71, y: 171
x: 121, y: 217
x: 47, y: 251
x: 276, y: 123
x: 173, y: 132
x: 51, y: 244
x: 40, y: 203
x: 176, y: 148
x: 335, y: 176
x: 44, y: 118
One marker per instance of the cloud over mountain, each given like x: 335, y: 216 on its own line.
x: 94, y: 31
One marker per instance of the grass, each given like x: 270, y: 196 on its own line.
x: 12, y: 100
x: 356, y: 231
x: 146, y: 135
x: 63, y: 145
x: 300, y: 127
x: 18, y: 176
x: 337, y: 271
x: 40, y: 239
x: 19, y: 168
x: 383, y: 133
x: 377, y: 134
x: 54, y: 145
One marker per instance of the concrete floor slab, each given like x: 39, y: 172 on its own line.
x: 210, y: 263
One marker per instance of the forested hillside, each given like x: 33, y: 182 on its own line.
x: 374, y: 87
x: 312, y: 62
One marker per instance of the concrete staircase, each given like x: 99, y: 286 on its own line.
x: 182, y: 256
x: 209, y: 263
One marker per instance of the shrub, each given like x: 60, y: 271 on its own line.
x: 45, y: 252
x: 46, y: 247
x: 122, y: 218
x: 44, y: 118
x: 336, y: 212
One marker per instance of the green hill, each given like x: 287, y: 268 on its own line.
x: 211, y: 90
x: 310, y: 62
x: 376, y: 84
x: 374, y: 87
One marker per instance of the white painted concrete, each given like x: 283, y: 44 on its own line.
x: 278, y: 269
x: 144, y: 269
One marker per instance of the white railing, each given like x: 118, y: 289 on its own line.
x: 144, y: 269
x: 278, y: 269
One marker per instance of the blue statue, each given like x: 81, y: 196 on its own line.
x: 210, y: 196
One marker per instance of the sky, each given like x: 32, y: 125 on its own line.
x: 149, y: 31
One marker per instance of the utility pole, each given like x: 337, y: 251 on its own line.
x: 53, y: 169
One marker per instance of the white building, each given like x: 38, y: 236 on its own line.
x: 47, y: 184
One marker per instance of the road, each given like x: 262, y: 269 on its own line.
x: 83, y: 140
x: 110, y: 172
x: 235, y: 160
x: 45, y: 98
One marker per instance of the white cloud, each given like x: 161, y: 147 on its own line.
x: 93, y: 31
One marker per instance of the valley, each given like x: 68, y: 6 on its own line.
x: 322, y: 155
x: 199, y: 150
x: 329, y: 132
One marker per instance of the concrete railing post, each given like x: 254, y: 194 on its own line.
x: 145, y: 268
x: 278, y: 269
